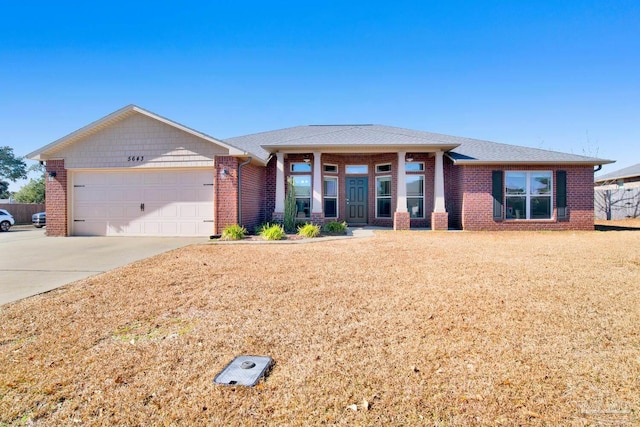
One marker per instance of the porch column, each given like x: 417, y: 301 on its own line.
x: 401, y: 219
x: 438, y: 183
x: 317, y: 215
x: 439, y: 216
x: 401, y: 185
x: 278, y: 213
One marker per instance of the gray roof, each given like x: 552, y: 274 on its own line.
x: 460, y: 150
x: 630, y: 172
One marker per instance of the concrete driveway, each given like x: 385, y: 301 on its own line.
x: 31, y: 263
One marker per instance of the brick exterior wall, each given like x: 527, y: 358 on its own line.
x: 477, y: 202
x: 453, y: 193
x: 401, y: 221
x: 253, y: 196
x: 270, y: 191
x: 56, y: 201
x: 226, y: 193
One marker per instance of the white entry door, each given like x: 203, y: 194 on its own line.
x: 143, y: 203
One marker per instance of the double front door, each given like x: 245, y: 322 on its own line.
x: 356, y: 200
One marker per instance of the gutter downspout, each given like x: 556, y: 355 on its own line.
x: 597, y: 169
x: 240, y: 188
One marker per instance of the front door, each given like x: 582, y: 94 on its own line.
x: 356, y: 200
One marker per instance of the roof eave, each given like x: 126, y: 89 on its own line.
x: 358, y: 148
x: 596, y: 162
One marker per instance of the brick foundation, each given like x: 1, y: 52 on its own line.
x: 401, y: 221
x: 317, y: 218
x: 440, y: 221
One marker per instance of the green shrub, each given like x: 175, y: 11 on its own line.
x: 335, y: 227
x: 272, y: 232
x: 233, y: 232
x: 309, y: 230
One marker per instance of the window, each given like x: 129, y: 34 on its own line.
x: 300, y: 167
x: 384, y: 168
x: 331, y: 197
x: 357, y: 169
x: 330, y: 168
x: 414, y: 166
x: 383, y: 197
x: 528, y: 195
x: 415, y: 195
x: 302, y: 186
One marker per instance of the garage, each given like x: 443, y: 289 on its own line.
x: 142, y: 202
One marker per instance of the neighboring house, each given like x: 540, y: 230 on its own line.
x: 617, y: 194
x: 136, y: 173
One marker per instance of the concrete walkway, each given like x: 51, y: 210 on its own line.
x: 31, y: 263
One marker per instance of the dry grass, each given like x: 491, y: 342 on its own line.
x: 453, y: 329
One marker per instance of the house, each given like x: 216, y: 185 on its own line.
x: 617, y: 194
x: 136, y: 173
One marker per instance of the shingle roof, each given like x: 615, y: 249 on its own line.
x: 460, y: 150
x: 631, y: 171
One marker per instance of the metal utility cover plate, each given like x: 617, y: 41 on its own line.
x: 243, y: 370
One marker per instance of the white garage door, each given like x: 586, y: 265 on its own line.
x: 143, y: 203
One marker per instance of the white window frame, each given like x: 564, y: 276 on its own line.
x: 309, y: 197
x: 408, y: 168
x: 324, y: 196
x: 293, y: 164
x: 390, y: 179
x: 366, y: 167
x: 383, y: 164
x: 324, y: 168
x: 415, y: 197
x: 527, y: 195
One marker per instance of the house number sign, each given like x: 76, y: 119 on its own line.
x: 135, y: 158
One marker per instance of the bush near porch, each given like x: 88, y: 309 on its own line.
x: 522, y: 328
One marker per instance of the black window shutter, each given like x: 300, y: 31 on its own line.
x: 496, y: 192
x: 561, y: 194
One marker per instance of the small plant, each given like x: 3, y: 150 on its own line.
x: 335, y: 227
x: 233, y: 232
x: 309, y: 230
x: 272, y: 232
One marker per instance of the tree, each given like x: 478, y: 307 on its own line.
x: 12, y: 168
x: 34, y: 190
x: 4, y: 190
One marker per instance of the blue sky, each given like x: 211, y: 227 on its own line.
x: 558, y: 75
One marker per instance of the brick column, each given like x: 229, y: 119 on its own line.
x: 56, y: 201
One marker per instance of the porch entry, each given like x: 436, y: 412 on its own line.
x: 356, y: 200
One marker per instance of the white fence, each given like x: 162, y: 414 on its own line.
x: 617, y: 202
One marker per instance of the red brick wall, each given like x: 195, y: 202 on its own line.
x: 477, y: 202
x: 56, y: 201
x: 453, y: 193
x: 226, y: 193
x: 253, y: 196
x: 270, y: 189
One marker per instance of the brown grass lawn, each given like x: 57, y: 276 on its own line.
x: 429, y: 328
